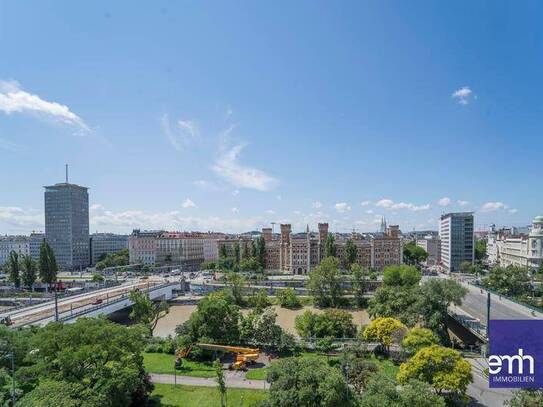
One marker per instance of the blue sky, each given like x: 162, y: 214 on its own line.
x: 231, y: 115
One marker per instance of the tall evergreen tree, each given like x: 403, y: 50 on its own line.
x: 330, y: 246
x: 14, y: 268
x: 48, y: 264
x: 28, y: 275
x: 351, y: 254
x: 245, y: 251
x: 236, y: 253
x: 253, y: 249
x: 223, y: 254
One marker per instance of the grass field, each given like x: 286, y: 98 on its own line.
x: 168, y: 395
x: 387, y: 366
x: 164, y: 363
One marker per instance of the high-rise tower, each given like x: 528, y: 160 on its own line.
x: 67, y: 224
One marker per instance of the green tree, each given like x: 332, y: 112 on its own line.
x: 443, y: 368
x: 397, y: 302
x: 221, y: 382
x: 414, y: 254
x: 48, y: 264
x: 383, y: 392
x: 236, y: 282
x: 512, y: 281
x: 332, y: 323
x: 465, y: 266
x: 223, y: 253
x: 385, y: 331
x: 288, y: 298
x: 208, y: 265
x: 526, y: 398
x: 101, y: 356
x: 434, y: 298
x: 248, y: 264
x: 216, y: 319
x: 145, y: 311
x: 245, y: 252
x: 401, y: 275
x: 480, y: 250
x: 63, y: 394
x: 358, y: 370
x: 325, y: 283
x: 28, y: 275
x: 359, y: 277
x: 351, y: 254
x: 236, y: 253
x: 259, y: 328
x: 254, y: 250
x: 259, y: 300
x: 303, y: 382
x: 330, y: 249
x: 14, y: 269
x: 418, y: 338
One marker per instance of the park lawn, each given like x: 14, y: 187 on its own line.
x: 387, y: 367
x: 168, y: 395
x: 164, y: 363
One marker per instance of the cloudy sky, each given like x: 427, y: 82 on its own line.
x: 232, y: 115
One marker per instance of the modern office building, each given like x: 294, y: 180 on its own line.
x: 457, y: 241
x: 102, y: 244
x: 432, y: 245
x: 17, y: 244
x: 67, y: 224
x: 508, y: 247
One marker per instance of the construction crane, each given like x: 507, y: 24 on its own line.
x: 244, y: 356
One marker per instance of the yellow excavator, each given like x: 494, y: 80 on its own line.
x: 244, y: 356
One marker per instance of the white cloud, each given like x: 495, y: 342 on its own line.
x: 19, y: 220
x: 342, y: 207
x: 15, y: 100
x: 228, y: 113
x: 180, y: 136
x: 228, y: 167
x: 444, y: 201
x: 235, y: 192
x: 463, y: 95
x: 462, y: 203
x: 513, y: 210
x: 125, y: 221
x: 365, y: 203
x: 270, y: 212
x: 316, y: 205
x: 391, y: 205
x: 493, y: 206
x: 369, y: 211
x: 187, y: 203
x: 278, y: 197
x: 234, y: 210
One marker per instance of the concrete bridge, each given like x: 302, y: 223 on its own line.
x: 472, y: 314
x: 100, y: 302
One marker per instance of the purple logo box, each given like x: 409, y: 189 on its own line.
x: 515, y: 359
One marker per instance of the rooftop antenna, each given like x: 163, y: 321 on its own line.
x: 66, y: 173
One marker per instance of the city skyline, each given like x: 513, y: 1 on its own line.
x: 325, y: 128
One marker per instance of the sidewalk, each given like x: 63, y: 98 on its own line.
x: 233, y: 379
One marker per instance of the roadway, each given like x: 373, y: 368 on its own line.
x: 28, y: 315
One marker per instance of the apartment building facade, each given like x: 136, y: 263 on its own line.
x: 102, y: 244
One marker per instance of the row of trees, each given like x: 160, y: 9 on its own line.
x: 113, y: 259
x: 24, y: 270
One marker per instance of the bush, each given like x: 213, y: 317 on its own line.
x: 288, y: 298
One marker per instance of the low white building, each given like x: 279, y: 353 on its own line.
x: 432, y: 246
x: 18, y: 244
x: 523, y: 250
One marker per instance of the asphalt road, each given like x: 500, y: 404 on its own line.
x: 479, y: 390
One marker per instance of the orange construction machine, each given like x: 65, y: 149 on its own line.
x: 244, y: 356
